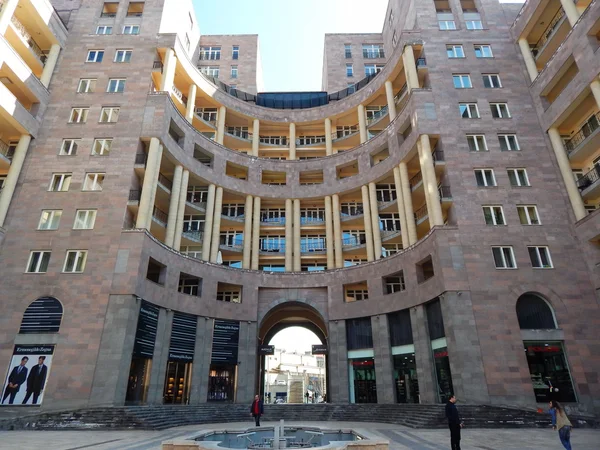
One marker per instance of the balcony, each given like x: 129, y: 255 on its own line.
x: 165, y: 182
x: 6, y: 151
x: 28, y: 40
x: 589, y: 184
x: 160, y: 216
x: 546, y: 45
x: 585, y: 141
x: 134, y: 196
x: 193, y: 235
x: 377, y: 115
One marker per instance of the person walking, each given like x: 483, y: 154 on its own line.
x: 454, y: 423
x: 257, y: 409
x: 561, y: 422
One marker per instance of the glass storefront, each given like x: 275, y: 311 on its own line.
x: 137, y: 383
x: 177, y: 383
x: 442, y: 373
x: 405, y: 378
x: 221, y: 383
x: 363, y: 388
x: 549, y: 371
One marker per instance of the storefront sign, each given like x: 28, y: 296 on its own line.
x: 183, y: 337
x: 266, y: 349
x: 226, y: 336
x: 319, y: 349
x: 145, y: 336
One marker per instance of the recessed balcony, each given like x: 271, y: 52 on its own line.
x: 551, y: 37
x: 584, y: 143
x: 6, y: 155
x: 589, y: 184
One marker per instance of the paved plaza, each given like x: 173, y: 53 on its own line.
x: 400, y: 438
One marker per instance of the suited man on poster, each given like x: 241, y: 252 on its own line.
x: 36, y: 380
x: 16, y: 378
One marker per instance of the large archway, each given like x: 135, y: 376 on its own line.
x: 287, y: 376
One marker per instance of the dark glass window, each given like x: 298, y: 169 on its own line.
x: 42, y: 316
x: 400, y: 328
x: 549, y: 372
x: 435, y: 320
x: 534, y: 313
x: 359, y: 334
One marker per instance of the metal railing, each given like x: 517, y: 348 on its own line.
x: 157, y: 65
x: 141, y: 158
x: 6, y: 150
x: 272, y: 221
x: 310, y: 247
x: 421, y: 213
x: 548, y: 32
x: 354, y: 241
x: 135, y: 195
x: 421, y: 62
x: 377, y: 115
x: 373, y: 54
x: 195, y: 236
x: 438, y: 156
x: 27, y: 38
x: 108, y: 15
x: 415, y: 180
x: 445, y: 192
x: 589, y: 178
x: 160, y: 215
x: 237, y: 132
x: 584, y: 132
x: 165, y: 181
x: 177, y: 92
x: 341, y: 134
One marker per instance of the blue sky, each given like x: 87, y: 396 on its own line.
x: 291, y: 32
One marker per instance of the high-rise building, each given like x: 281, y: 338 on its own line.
x: 429, y: 217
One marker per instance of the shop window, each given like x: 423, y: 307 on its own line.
x: 534, y: 313
x: 359, y: 333
x: 550, y: 375
x: 435, y: 322
x: 156, y: 272
x: 425, y: 270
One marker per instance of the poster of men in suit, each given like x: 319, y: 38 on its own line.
x: 27, y: 375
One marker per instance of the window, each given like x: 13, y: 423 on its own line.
x: 38, y: 262
x: 60, y: 182
x: 131, y: 29
x: 491, y: 81
x: 93, y: 181
x: 109, y: 9
x: 528, y: 215
x: 123, y: 56
x: 135, y: 9
x: 518, y: 177
x: 485, y: 177
x: 462, y: 81
x: 109, y: 114
x: 474, y: 24
x: 229, y: 296
x: 234, y: 71
x: 373, y: 51
x: 235, y: 52
x: 424, y: 270
x: 455, y: 51
x: 447, y: 24
x: 69, y: 147
x: 75, y: 261
x: 116, y: 85
x: 468, y: 110
x: 540, y: 257
x: 86, y: 85
x: 207, y: 114
x: 50, y: 219
x: 493, y: 215
x: 104, y: 29
x: 347, y: 51
x: 371, y: 69
x: 483, y: 51
x: 85, y: 219
x: 394, y: 283
x: 210, y: 53
x: 504, y: 258
x: 102, y: 147
x: 79, y: 115
x: 95, y: 56
x: 500, y: 110
x: 189, y: 284
x: 477, y: 143
x: 508, y: 143
x: 212, y: 71
x: 349, y: 70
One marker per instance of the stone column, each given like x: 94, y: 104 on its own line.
x: 168, y: 75
x: 595, y: 88
x: 292, y: 141
x: 383, y: 359
x: 248, y: 344
x: 375, y: 220
x: 173, y: 205
x: 160, y: 358
x: 329, y: 233
x: 570, y: 11
x: 181, y: 209
x: 289, y: 238
x: 191, y: 103
x: 50, y: 65
x: 144, y: 216
x: 247, y: 232
x: 221, y: 125
x: 368, y: 223
x: 410, y: 68
x: 565, y: 169
x: 362, y: 124
x: 528, y: 57
x: 255, y: 137
x: 216, y: 233
x: 13, y: 174
x: 408, y: 204
x: 337, y: 363
x: 202, y: 356
x: 328, y: 138
x: 401, y: 210
x: 208, y: 222
x: 389, y: 94
x: 6, y: 13
x: 430, y: 182
x: 423, y: 355
x: 337, y: 232
x: 297, y: 237
x: 256, y: 234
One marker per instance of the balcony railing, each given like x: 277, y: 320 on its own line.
x: 445, y: 192
x: 310, y: 247
x: 165, y: 181
x: 584, y: 132
x: 373, y: 54
x: 421, y: 62
x: 415, y: 180
x: 195, y: 236
x: 177, y: 93
x: 438, y: 156
x: 135, y: 195
x: 6, y: 150
x: 548, y: 32
x: 237, y: 132
x: 589, y: 178
x: 157, y: 65
x: 377, y: 115
x: 354, y: 241
x: 272, y: 220
x: 27, y: 38
x: 160, y: 215
x: 141, y: 158
x: 421, y: 213
x: 108, y: 15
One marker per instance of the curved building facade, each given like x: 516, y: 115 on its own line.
x: 431, y: 218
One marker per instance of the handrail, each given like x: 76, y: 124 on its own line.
x: 195, y: 236
x: 160, y: 215
x: 415, y: 180
x: 445, y: 192
x: 583, y: 133
x: 27, y: 38
x: 6, y: 150
x: 378, y: 115
x: 135, y: 195
x: 589, y: 178
x: 165, y: 181
x: 141, y: 158
x: 548, y: 32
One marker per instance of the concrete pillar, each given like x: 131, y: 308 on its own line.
x: 181, y: 209
x: 168, y: 75
x: 6, y: 13
x: 292, y: 141
x: 216, y: 232
x: 337, y: 232
x: 191, y: 103
x: 297, y: 234
x: 160, y: 359
x: 13, y: 174
x: 410, y: 68
x: 423, y: 355
x: 247, y: 232
x: 337, y: 363
x: 565, y: 169
x: 368, y: 223
x: 329, y: 233
x: 50, y: 65
x: 383, y: 359
x: 362, y: 124
x: 201, y: 365
x: 144, y: 216
x: 328, y: 137
x: 256, y: 234
x: 528, y: 57
x: 255, y: 137
x: 570, y: 11
x: 246, y: 372
x: 289, y: 238
x: 173, y: 205
x: 389, y: 95
x: 221, y: 125
x: 375, y: 220
x: 430, y: 182
x: 408, y: 204
x: 401, y: 210
x: 595, y: 88
x: 208, y: 222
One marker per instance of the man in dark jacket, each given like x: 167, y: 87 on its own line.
x: 16, y: 378
x: 257, y: 409
x: 36, y: 380
x: 454, y: 423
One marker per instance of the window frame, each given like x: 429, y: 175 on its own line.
x: 475, y: 139
x: 515, y: 171
x: 78, y: 254
x: 526, y: 215
x: 492, y: 211
x: 63, y: 177
x: 502, y: 249
x: 96, y: 175
x: 234, y: 72
x: 484, y: 174
x: 39, y: 262
x: 490, y: 77
x: 467, y: 108
x: 538, y: 254
x: 472, y: 24
x: 119, y: 82
x: 506, y: 139
x: 108, y: 28
x: 235, y: 52
x: 105, y: 146
x: 73, y: 146
x: 453, y: 48
x: 88, y: 213
x: 349, y: 73
x: 108, y: 112
x: 497, y: 107
x: 132, y: 29
x: 461, y: 77
x: 446, y: 23
x: 481, y: 48
x: 54, y: 214
x: 98, y: 56
x: 81, y: 115
x: 124, y: 52
x: 89, y: 83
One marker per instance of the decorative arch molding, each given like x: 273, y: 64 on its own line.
x: 534, y: 312
x: 553, y: 299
